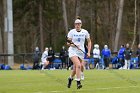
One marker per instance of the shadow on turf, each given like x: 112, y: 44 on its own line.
x: 124, y: 78
x: 60, y: 81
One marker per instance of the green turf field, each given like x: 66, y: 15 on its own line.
x: 48, y: 81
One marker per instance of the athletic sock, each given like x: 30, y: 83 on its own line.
x: 78, y: 82
x: 71, y: 77
x: 77, y: 79
x: 43, y: 67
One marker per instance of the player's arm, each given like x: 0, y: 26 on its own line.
x: 89, y: 46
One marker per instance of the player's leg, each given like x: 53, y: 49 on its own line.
x: 129, y: 64
x: 95, y: 62
x: 70, y: 79
x: 77, y: 64
x: 125, y: 65
x: 105, y: 62
x: 82, y: 69
x: 45, y: 64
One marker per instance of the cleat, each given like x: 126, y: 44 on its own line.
x: 79, y: 86
x: 69, y: 82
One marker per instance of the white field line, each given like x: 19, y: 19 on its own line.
x: 107, y: 88
x: 117, y: 87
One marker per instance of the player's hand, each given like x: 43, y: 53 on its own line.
x: 88, y: 55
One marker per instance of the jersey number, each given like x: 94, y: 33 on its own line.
x: 78, y: 39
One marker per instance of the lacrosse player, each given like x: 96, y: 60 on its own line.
x: 44, y: 58
x: 76, y: 39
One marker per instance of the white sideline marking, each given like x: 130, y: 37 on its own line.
x: 56, y: 91
x: 117, y: 87
x: 107, y: 88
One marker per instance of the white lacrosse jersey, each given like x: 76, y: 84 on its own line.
x: 78, y: 38
x: 96, y: 53
x: 44, y: 56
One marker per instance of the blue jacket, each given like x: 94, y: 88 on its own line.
x: 106, y: 53
x: 121, y: 53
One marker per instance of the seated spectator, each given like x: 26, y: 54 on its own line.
x: 44, y: 58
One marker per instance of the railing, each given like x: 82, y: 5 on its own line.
x: 22, y: 58
x: 25, y: 58
x: 17, y: 57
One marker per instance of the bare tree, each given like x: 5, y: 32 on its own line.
x: 138, y: 13
x: 8, y: 28
x: 41, y: 25
x: 95, y: 16
x: 65, y: 15
x: 77, y: 7
x: 135, y: 25
x: 91, y: 21
x: 119, y: 24
x: 0, y: 40
x: 138, y: 26
x: 1, y: 26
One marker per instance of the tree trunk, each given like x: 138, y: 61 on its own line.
x: 65, y: 16
x: 139, y: 35
x: 114, y: 23
x: 95, y: 16
x: 110, y: 24
x: 138, y: 24
x: 77, y: 7
x: 1, y: 22
x: 135, y: 25
x: 119, y: 24
x: 1, y: 40
x: 41, y: 26
x: 92, y: 24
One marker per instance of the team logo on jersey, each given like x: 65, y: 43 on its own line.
x: 80, y: 35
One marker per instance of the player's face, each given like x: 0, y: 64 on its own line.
x: 127, y: 45
x: 78, y: 26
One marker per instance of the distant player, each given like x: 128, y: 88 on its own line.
x: 77, y: 37
x: 44, y: 58
x: 96, y: 55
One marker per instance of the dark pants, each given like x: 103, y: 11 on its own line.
x: 121, y: 62
x: 138, y: 61
x: 36, y: 65
x: 70, y: 63
x: 96, y: 60
x: 106, y: 62
x: 64, y: 62
x: 51, y: 65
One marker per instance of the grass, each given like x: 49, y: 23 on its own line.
x: 48, y: 81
